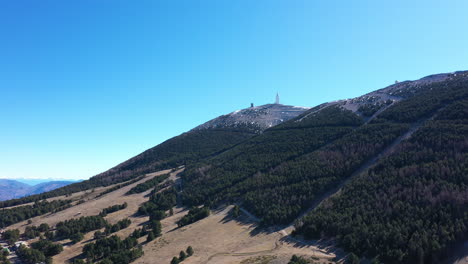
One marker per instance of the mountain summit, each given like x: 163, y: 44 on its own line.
x: 256, y: 118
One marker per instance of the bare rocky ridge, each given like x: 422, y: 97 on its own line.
x: 388, y: 95
x: 257, y: 118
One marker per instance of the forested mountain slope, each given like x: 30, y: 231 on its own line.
x: 384, y: 173
x: 204, y: 141
x: 278, y: 177
x: 325, y: 144
x: 413, y: 205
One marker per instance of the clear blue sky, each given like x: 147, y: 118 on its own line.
x: 85, y: 85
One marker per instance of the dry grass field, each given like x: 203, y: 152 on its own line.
x: 215, y: 239
x: 92, y: 205
x: 221, y: 239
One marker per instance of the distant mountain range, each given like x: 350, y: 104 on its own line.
x: 11, y: 189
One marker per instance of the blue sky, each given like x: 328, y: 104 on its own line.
x: 85, y: 85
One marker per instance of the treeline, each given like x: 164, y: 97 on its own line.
x: 74, y: 228
x: 113, y: 250
x: 32, y: 256
x: 17, y: 214
x: 113, y: 208
x: 121, y: 224
x: 35, y: 231
x: 411, y: 207
x: 161, y: 186
x: 193, y: 215
x: 369, y: 109
x: 159, y: 203
x: 117, y: 251
x: 11, y: 235
x: 328, y: 116
x: 431, y: 98
x: 142, y: 187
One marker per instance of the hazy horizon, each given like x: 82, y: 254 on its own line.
x: 35, y: 181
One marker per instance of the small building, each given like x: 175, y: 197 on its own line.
x: 20, y: 243
x: 6, y: 250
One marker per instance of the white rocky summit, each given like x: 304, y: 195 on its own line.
x: 258, y: 118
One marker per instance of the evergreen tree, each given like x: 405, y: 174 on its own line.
x: 297, y: 260
x: 11, y: 236
x: 182, y: 255
x: 235, y: 211
x: 352, y: 259
x: 189, y: 251
x: 150, y: 237
x: 78, y: 261
x: 157, y: 229
x: 43, y: 227
x: 77, y: 237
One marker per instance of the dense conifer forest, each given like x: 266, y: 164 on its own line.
x: 194, y: 215
x: 223, y: 176
x: 426, y: 211
x: 291, y: 171
x: 159, y: 203
x: 113, y: 250
x: 413, y: 205
x: 111, y: 209
x: 84, y: 224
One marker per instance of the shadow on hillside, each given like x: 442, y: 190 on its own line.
x: 68, y: 244
x: 87, y: 241
x: 245, y: 220
x: 327, y: 246
x: 265, y: 230
x: 242, y: 219
x: 80, y: 256
x: 457, y: 253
